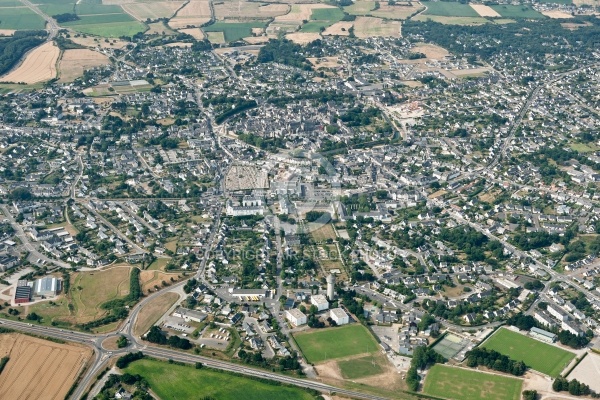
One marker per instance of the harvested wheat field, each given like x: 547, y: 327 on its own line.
x: 557, y: 14
x: 400, y: 11
x: 39, y: 65
x: 39, y: 369
x: 75, y: 62
x: 339, y: 29
x: 302, y: 38
x: 365, y: 27
x: 484, y: 11
x: 301, y: 12
x: 244, y: 9
x: 7, y: 32
x: 151, y: 280
x: 194, y: 13
x: 143, y: 11
x: 196, y: 33
x: 431, y: 51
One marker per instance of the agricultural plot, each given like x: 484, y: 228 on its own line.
x: 302, y: 37
x: 542, y: 357
x: 360, y: 8
x: 462, y: 384
x: 162, y: 9
x: 111, y: 30
x: 74, y: 62
x: 171, y: 382
x: 233, y: 31
x: 398, y: 11
x: 485, y: 11
x: 452, y: 20
x: 365, y: 27
x: 39, y: 369
x: 193, y: 14
x: 20, y: 18
x: 300, y: 12
x: 326, y: 344
x: 523, y: 11
x: 322, y: 18
x: 244, y: 9
x: 449, y: 9
x: 39, y: 65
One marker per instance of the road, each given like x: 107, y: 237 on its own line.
x: 52, y: 26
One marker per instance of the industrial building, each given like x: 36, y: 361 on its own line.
x: 339, y: 316
x: 189, y: 315
x: 47, y: 286
x: 249, y: 294
x: 319, y: 301
x: 22, y: 294
x: 295, y: 316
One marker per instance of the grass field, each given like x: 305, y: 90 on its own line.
x: 537, y: 355
x: 361, y: 367
x: 152, y: 311
x: 171, y: 381
x: 233, y: 31
x: 509, y: 11
x: 115, y: 29
x: 449, y: 9
x: 462, y: 384
x: 452, y: 20
x: 360, y: 8
x: 583, y: 148
x: 326, y: 344
x: 322, y: 18
x: 20, y: 18
x: 100, y: 19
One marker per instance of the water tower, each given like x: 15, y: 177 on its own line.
x: 331, y: 287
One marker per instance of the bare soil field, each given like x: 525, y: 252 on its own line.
x: 580, y: 3
x: 244, y: 9
x: 39, y: 369
x: 400, y: 11
x: 39, y: 65
x: 302, y: 38
x: 256, y: 39
x: 339, y: 29
x: 6, y: 32
x: 196, y: 33
x: 557, y: 14
x: 150, y: 278
x: 74, y: 62
x: 163, y: 9
x: 588, y: 371
x: 484, y: 11
x: 327, y: 62
x: 365, y: 27
x: 431, y: 51
x: 194, y: 13
x: 152, y: 312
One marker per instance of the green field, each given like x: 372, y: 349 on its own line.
x: 88, y: 9
x: 326, y: 344
x: 463, y: 384
x: 315, y: 26
x: 170, y: 381
x: 542, y: 357
x: 508, y: 11
x: 361, y: 367
x: 360, y: 8
x: 20, y: 18
x: 115, y: 29
x: 233, y: 31
x: 100, y: 19
x: 321, y: 18
x: 449, y: 9
x: 10, y: 3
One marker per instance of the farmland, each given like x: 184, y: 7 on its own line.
x: 234, y: 10
x: 152, y: 311
x: 509, y: 11
x: 369, y: 27
x: 463, y: 384
x: 233, y: 31
x: 113, y: 30
x: 447, y: 9
x: 39, y: 65
x: 170, y: 381
x: 537, y: 355
x: 38, y: 368
x: 322, y: 18
x: 20, y: 18
x: 74, y: 62
x: 162, y: 9
x: 194, y: 13
x: 333, y: 343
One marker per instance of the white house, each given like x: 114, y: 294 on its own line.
x: 339, y: 316
x: 319, y: 301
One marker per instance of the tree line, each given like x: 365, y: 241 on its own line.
x: 494, y: 360
x: 14, y: 47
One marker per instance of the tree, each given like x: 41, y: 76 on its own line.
x: 21, y: 194
x: 530, y: 395
x: 122, y: 342
x: 155, y: 335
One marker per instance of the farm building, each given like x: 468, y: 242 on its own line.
x: 319, y: 301
x: 189, y: 315
x: 47, y: 286
x: 23, y: 294
x: 542, y: 335
x: 339, y: 316
x: 295, y: 316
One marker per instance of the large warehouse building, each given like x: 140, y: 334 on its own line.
x: 47, y: 286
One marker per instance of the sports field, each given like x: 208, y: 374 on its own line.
x: 233, y: 31
x: 537, y: 355
x: 462, y: 384
x: 170, y: 382
x: 326, y: 344
x: 361, y: 367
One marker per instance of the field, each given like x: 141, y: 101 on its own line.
x: 324, y: 232
x: 149, y: 278
x: 244, y: 9
x: 542, y: 357
x: 360, y: 367
x: 360, y: 8
x: 326, y: 344
x: 452, y: 20
x: 399, y: 11
x: 171, y: 381
x: 38, y: 368
x: 300, y: 12
x: 463, y: 384
x: 111, y: 30
x: 196, y: 33
x: 447, y: 9
x: 152, y: 311
x: 74, y: 62
x: 194, y: 14
x: 587, y: 371
x: 368, y: 27
x: 557, y: 14
x: 485, y: 11
x: 20, y: 18
x: 322, y: 18
x: 233, y: 31
x: 162, y: 9
x: 39, y: 65
x: 302, y: 37
x: 508, y: 11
